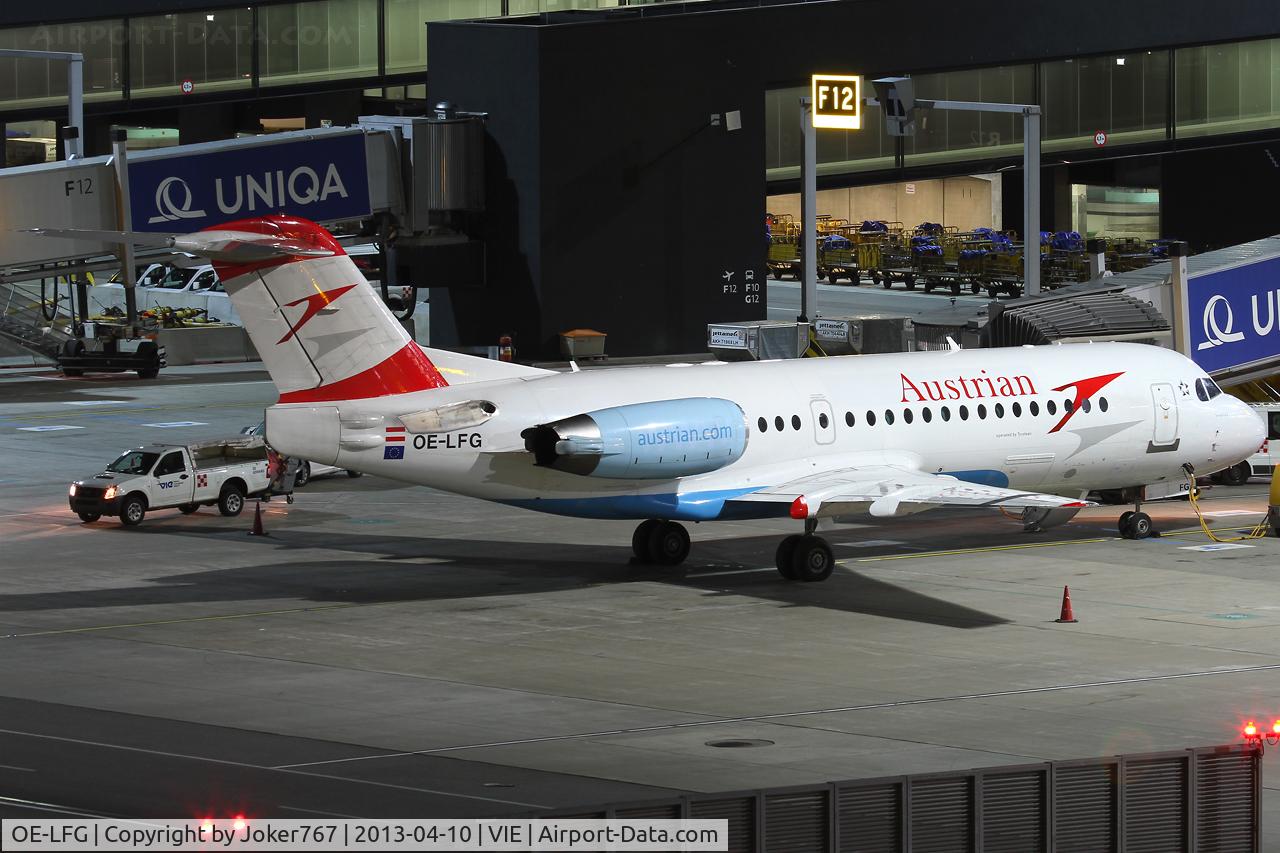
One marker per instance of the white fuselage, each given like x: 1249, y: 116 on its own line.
x: 994, y: 416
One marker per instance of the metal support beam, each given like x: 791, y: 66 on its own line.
x: 75, y: 90
x: 1030, y: 200
x: 129, y: 273
x: 808, y: 214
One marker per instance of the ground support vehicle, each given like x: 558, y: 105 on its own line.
x: 174, y: 476
x: 307, y: 470
x: 838, y: 256
x: 109, y: 348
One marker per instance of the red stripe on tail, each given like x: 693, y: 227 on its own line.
x: 407, y: 371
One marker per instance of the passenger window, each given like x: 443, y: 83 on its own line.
x: 1034, y: 408
x: 170, y: 464
x: 888, y: 416
x: 848, y: 418
x: 999, y: 410
x: 763, y: 425
x: 964, y: 413
x: 926, y: 414
x: 777, y: 423
x: 946, y: 413
x: 1102, y: 404
x: 822, y: 420
x: 982, y: 412
x: 906, y: 415
x: 1051, y: 407
x: 1066, y: 406
x: 871, y: 418
x: 795, y: 422
x: 1086, y: 405
x: 1017, y: 410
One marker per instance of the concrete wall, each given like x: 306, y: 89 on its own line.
x: 964, y: 202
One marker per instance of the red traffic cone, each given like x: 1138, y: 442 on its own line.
x: 1067, y: 615
x: 257, y: 522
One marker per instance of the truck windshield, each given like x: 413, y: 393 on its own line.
x: 133, y: 462
x: 176, y: 278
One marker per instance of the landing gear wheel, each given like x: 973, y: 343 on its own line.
x: 812, y: 559
x: 303, y: 476
x: 187, y: 509
x: 640, y: 540
x: 782, y: 558
x: 1124, y: 521
x: 669, y: 543
x: 231, y: 501
x: 133, y: 510
x: 1137, y: 526
x: 89, y: 517
x: 1237, y: 475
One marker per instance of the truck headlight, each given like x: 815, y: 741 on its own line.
x: 73, y: 490
x: 109, y: 493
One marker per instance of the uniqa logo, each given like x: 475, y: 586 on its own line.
x: 171, y: 210
x: 1216, y: 335
x: 267, y: 191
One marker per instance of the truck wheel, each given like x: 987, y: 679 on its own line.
x: 132, y: 510
x: 303, y: 476
x: 231, y: 501
x: 89, y: 517
x: 148, y: 348
x: 1237, y: 475
x: 187, y: 509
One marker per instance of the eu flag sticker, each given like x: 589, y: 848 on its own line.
x: 393, y: 453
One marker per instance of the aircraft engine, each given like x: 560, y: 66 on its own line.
x: 643, y: 441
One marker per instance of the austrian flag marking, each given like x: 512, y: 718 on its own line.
x: 394, y: 443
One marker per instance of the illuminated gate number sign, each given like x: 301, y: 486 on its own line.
x: 837, y: 101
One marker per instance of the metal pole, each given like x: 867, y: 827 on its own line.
x: 1031, y: 200
x: 128, y: 276
x: 808, y: 214
x: 75, y: 97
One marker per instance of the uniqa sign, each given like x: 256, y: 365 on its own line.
x: 1234, y: 315
x: 323, y: 178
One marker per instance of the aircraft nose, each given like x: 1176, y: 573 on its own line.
x: 1248, y: 430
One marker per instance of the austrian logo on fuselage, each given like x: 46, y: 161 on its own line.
x: 985, y: 387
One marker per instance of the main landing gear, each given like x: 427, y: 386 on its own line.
x: 805, y: 557
x: 1135, y: 524
x: 665, y: 543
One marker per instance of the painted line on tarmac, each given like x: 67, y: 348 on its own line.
x: 791, y: 715
x: 221, y: 617
x: 281, y: 769
x: 16, y: 767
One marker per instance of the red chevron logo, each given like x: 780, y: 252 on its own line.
x: 316, y: 303
x: 1085, y: 388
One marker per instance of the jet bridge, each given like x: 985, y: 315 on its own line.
x: 356, y: 180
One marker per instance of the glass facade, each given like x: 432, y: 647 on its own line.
x: 1228, y: 88
x: 406, y: 37
x: 31, y: 83
x: 322, y: 40
x: 214, y: 50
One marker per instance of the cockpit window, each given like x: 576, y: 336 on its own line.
x: 1207, y: 389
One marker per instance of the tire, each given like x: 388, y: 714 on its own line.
x: 975, y: 289
x: 928, y: 287
x: 1237, y: 475
x: 231, y: 501
x: 885, y: 281
x: 1123, y: 524
x: 148, y: 373
x: 148, y: 348
x: 812, y: 559
x: 1139, y: 526
x: 910, y: 281
x: 303, y: 476
x: 132, y: 510
x: 89, y: 517
x: 669, y: 544
x: 640, y: 540
x: 833, y: 278
x: 955, y: 288
x: 782, y: 557
x: 354, y: 474
x: 187, y: 509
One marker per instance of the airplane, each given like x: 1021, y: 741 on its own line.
x: 1033, y: 429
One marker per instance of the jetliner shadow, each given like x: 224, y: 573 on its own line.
x: 427, y: 569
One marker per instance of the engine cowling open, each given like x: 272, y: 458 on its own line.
x: 643, y: 441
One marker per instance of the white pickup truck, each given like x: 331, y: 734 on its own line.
x: 174, y: 476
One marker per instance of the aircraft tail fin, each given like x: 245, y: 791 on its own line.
x: 321, y: 329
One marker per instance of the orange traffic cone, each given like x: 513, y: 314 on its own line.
x: 1067, y: 615
x: 257, y: 523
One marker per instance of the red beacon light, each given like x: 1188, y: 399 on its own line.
x: 1256, y: 737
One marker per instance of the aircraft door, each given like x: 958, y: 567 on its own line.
x: 1166, y: 409
x: 824, y: 421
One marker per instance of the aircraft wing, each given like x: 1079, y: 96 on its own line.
x: 888, y: 490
